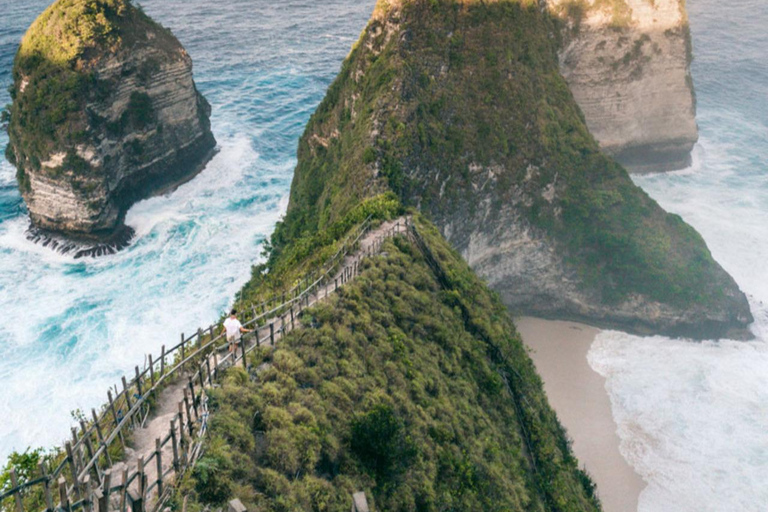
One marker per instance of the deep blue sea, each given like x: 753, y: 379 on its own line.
x: 693, y: 417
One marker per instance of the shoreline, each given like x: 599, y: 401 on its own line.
x: 577, y: 393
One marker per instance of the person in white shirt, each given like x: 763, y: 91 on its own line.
x: 234, y: 330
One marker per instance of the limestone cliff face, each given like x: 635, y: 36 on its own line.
x: 120, y: 117
x: 459, y: 107
x: 627, y: 63
x: 528, y: 269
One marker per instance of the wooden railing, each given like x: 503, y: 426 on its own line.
x: 87, y: 478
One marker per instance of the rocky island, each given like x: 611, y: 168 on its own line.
x: 460, y: 108
x: 627, y: 63
x: 105, y: 112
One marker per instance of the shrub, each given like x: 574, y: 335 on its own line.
x: 379, y: 441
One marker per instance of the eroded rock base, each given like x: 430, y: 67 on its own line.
x: 84, y: 247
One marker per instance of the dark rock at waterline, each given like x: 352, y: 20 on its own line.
x: 87, y: 247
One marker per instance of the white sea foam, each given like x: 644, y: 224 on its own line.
x: 61, y: 335
x: 693, y: 417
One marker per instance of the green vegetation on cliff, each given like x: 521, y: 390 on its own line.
x: 54, y: 79
x: 458, y: 105
x: 410, y: 383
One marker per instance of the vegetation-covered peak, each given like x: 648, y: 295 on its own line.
x: 460, y: 108
x: 55, y: 75
x: 409, y: 383
x: 64, y: 31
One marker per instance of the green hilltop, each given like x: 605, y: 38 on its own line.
x: 410, y: 383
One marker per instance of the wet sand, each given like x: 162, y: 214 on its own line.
x: 578, y: 394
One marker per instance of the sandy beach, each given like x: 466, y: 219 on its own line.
x: 578, y: 394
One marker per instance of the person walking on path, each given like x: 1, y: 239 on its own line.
x: 234, y: 330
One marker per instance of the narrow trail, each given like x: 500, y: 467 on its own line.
x: 145, y: 439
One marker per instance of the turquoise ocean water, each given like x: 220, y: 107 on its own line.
x: 693, y: 417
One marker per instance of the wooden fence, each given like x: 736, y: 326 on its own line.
x: 87, y: 478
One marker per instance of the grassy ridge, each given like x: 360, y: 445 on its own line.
x: 411, y: 385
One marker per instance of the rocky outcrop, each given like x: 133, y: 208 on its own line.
x: 532, y: 275
x: 116, y: 119
x: 459, y: 107
x: 627, y: 63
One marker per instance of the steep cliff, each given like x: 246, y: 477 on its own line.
x: 105, y: 112
x: 627, y: 63
x: 459, y: 107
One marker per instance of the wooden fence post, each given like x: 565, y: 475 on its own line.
x: 192, y: 397
x: 162, y: 361
x: 46, y: 488
x: 189, y: 415
x: 292, y: 319
x: 63, y: 494
x: 138, y: 383
x: 199, y: 338
x: 126, y: 394
x: 183, y: 355
x: 89, y: 449
x: 72, y: 464
x: 100, y: 435
x: 106, y: 489
x: 114, y: 416
x: 182, y: 439
x: 17, y: 496
x: 159, y: 453
x: 208, y: 367
x: 151, y: 370
x: 138, y: 505
x: 175, y: 446
x: 77, y: 450
x: 87, y: 494
x: 272, y: 333
x: 124, y: 490
x: 242, y: 346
